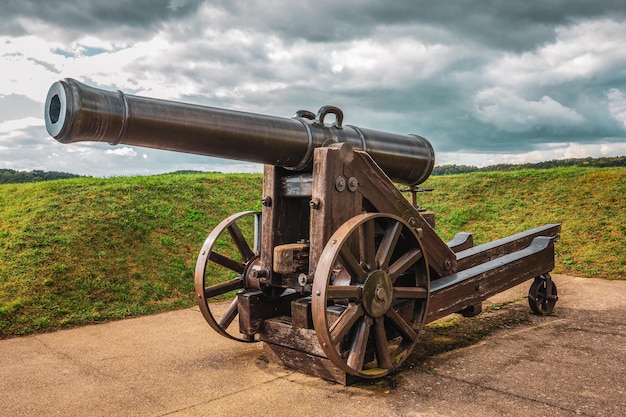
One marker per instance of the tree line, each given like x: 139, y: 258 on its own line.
x: 11, y: 176
x: 612, y: 161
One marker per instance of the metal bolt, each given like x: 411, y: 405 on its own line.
x: 340, y: 183
x: 258, y: 273
x: 266, y: 201
x: 353, y: 184
x: 315, y: 203
x: 303, y: 279
x: 379, y: 294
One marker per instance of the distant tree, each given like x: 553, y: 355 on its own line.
x: 11, y: 176
x: 603, y: 162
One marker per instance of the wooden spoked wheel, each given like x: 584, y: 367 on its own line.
x: 227, y: 255
x: 542, y: 295
x: 370, y: 293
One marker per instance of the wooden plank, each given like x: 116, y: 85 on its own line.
x: 301, y: 315
x: 291, y: 258
x: 279, y: 331
x: 381, y: 193
x: 255, y: 307
x: 472, y: 286
x: 428, y: 216
x: 269, y: 216
x: 306, y: 363
x: 332, y: 206
x: 486, y: 252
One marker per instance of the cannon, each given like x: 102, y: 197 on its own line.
x: 339, y: 271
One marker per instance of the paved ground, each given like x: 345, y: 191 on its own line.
x: 503, y: 362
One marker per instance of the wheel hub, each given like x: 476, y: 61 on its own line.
x: 377, y: 293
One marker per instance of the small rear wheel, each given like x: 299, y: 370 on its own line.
x: 542, y: 295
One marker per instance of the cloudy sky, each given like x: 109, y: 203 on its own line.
x: 486, y: 81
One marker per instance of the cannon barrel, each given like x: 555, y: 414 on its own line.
x: 76, y: 112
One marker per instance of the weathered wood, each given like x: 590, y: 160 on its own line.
x: 255, y: 307
x: 301, y: 313
x: 280, y: 331
x: 428, y: 216
x: 291, y: 258
x: 284, y: 219
x: 332, y: 203
x: 306, y: 363
x: 381, y: 193
x: 474, y: 285
x: 486, y: 252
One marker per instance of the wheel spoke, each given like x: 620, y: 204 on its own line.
x: 240, y: 241
x: 409, y: 292
x: 345, y: 322
x: 383, y: 356
x: 352, y: 264
x: 367, y: 245
x: 230, y: 314
x: 388, y: 244
x: 337, y: 292
x: 223, y: 288
x: 400, y: 325
x: 230, y: 260
x: 226, y: 262
x: 404, y: 262
x: 372, y: 265
x: 359, y: 344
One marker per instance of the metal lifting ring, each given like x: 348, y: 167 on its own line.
x: 324, y: 110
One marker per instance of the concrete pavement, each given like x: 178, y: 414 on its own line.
x: 502, y: 362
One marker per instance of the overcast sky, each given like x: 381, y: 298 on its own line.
x: 485, y: 81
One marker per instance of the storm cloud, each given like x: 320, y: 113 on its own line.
x: 485, y: 81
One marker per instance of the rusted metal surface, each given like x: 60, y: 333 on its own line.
x: 338, y: 272
x: 542, y: 295
x: 238, y: 263
x: 383, y: 304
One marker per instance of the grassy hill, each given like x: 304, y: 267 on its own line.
x: 590, y: 203
x: 84, y: 250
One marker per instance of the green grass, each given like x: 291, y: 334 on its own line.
x: 83, y: 250
x: 588, y: 202
x: 86, y: 250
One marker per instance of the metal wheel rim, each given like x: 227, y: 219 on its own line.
x: 208, y: 255
x: 364, y: 326
x: 537, y: 299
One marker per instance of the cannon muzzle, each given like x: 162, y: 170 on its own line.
x: 76, y: 112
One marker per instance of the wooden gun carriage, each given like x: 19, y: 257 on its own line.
x: 338, y: 272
